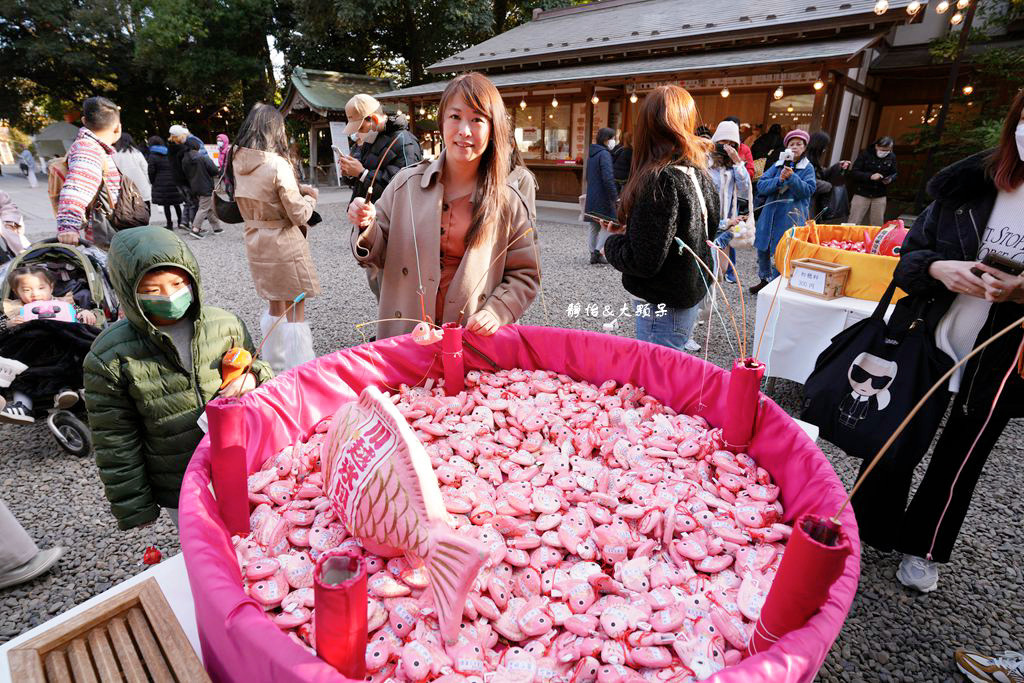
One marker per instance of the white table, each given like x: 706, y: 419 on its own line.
x: 173, y: 581
x: 799, y: 327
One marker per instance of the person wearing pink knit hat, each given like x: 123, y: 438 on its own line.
x: 784, y: 193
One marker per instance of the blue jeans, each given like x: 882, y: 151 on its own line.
x: 672, y: 329
x: 597, y: 237
x: 766, y: 265
x: 722, y: 241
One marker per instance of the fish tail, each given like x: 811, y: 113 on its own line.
x: 452, y: 562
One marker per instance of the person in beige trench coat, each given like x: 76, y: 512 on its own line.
x: 499, y: 273
x: 276, y: 209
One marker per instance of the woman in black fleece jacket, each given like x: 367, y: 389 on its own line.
x: 670, y: 198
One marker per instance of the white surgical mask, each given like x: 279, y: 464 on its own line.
x: 611, y: 143
x: 368, y: 138
x: 1019, y: 134
x: 882, y: 153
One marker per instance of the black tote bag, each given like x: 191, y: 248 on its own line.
x: 872, y: 375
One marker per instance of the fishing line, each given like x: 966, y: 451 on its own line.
x: 924, y: 399
x: 732, y: 315
x: 721, y: 253
x: 970, y: 451
x: 495, y: 260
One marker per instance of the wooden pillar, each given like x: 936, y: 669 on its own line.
x: 312, y: 154
x: 412, y: 118
x: 819, y: 102
x: 589, y: 136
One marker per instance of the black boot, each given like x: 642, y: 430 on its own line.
x: 595, y: 257
x: 759, y: 286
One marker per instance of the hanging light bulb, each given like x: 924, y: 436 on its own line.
x: 725, y: 92
x: 554, y: 102
x: 633, y: 98
x: 819, y: 84
x: 968, y: 89
x: 956, y: 19
x: 963, y: 4
x: 522, y: 104
x: 595, y: 99
x: 423, y: 112
x: 778, y: 93
x: 913, y: 8
x: 942, y: 7
x: 790, y: 109
x: 881, y: 7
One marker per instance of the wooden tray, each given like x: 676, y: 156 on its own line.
x: 133, y: 636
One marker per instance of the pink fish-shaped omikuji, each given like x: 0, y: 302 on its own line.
x: 384, y: 491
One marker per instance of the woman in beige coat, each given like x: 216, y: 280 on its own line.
x: 454, y: 241
x: 276, y: 210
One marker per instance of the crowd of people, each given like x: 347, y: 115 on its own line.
x: 453, y: 240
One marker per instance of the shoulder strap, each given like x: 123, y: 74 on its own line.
x: 883, y: 303
x: 691, y: 173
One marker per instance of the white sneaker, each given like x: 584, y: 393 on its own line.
x: 981, y: 668
x: 9, y: 369
x: 917, y: 572
x: 692, y: 346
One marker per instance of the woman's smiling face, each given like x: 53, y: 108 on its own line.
x: 466, y: 131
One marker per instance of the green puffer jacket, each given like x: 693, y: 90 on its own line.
x: 142, y: 403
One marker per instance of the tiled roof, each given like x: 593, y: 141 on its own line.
x: 619, y: 26
x: 707, y: 61
x: 324, y: 91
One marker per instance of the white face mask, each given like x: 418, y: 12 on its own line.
x: 1019, y: 134
x: 368, y: 138
x: 882, y: 153
x: 611, y: 143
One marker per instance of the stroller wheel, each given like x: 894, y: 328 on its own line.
x: 71, y: 433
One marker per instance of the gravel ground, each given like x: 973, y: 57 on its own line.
x: 891, y: 633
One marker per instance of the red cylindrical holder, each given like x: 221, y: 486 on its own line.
x: 452, y: 362
x: 742, y: 401
x: 815, y: 556
x: 339, y: 620
x: 226, y: 427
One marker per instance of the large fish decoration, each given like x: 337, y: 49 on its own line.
x: 385, y: 492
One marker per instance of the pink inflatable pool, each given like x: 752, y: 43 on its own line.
x: 240, y: 644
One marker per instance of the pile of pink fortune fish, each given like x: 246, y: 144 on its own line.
x: 599, y: 535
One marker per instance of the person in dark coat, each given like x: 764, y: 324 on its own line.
x: 201, y: 171
x: 177, y: 135
x: 165, y: 189
x: 622, y: 159
x: 768, y: 146
x: 377, y: 131
x: 870, y: 177
x: 670, y: 203
x: 829, y: 203
x: 978, y: 209
x: 602, y: 193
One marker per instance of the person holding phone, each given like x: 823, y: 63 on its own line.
x: 949, y: 258
x: 872, y: 173
x: 453, y: 240
x: 784, y: 192
x: 669, y: 201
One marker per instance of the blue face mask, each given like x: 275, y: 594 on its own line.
x: 171, y: 307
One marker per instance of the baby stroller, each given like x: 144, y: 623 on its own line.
x: 55, y: 351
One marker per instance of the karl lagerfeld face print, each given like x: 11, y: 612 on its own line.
x: 870, y: 378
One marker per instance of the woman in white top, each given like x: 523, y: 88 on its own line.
x: 978, y: 211
x: 133, y: 165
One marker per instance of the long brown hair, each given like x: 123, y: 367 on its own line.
x: 491, y: 201
x: 1005, y: 164
x: 664, y: 135
x: 263, y: 130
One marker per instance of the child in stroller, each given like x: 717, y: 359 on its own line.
x: 50, y: 321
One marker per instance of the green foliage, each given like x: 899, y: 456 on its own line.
x: 205, y: 62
